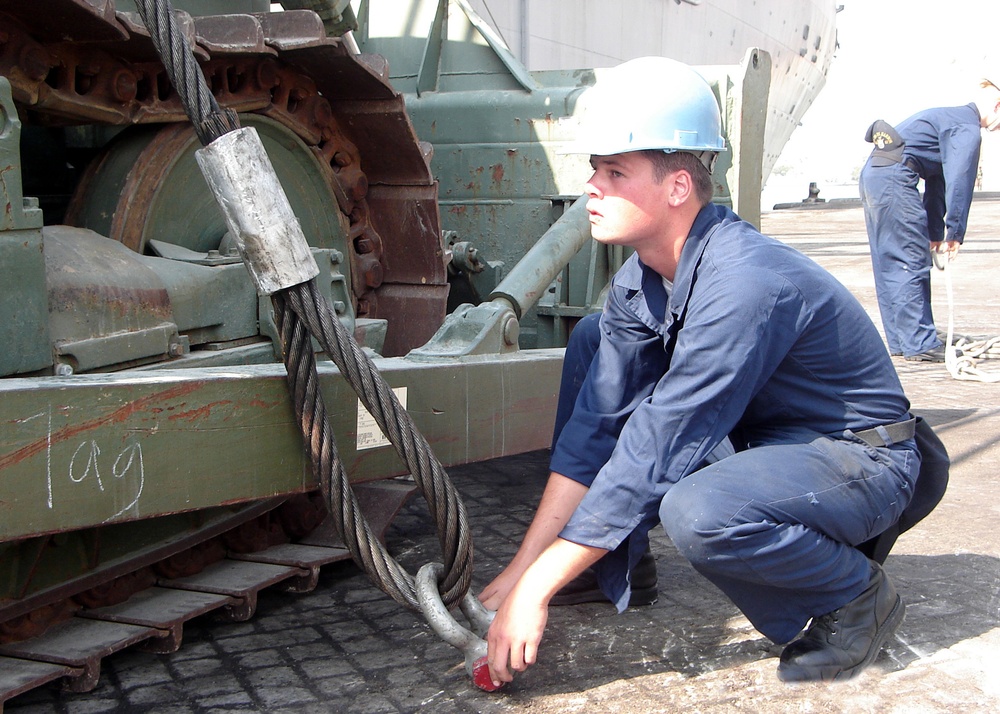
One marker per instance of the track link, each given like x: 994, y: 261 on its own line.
x: 69, y: 653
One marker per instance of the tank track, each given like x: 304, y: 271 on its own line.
x: 217, y: 576
x: 82, y: 63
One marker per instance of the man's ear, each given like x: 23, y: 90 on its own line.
x: 681, y: 187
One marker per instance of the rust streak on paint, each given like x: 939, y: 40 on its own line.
x: 119, y: 415
x: 202, y: 412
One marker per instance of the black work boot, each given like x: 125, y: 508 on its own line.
x: 841, y: 643
x: 584, y: 588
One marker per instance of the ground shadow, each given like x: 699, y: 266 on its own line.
x: 693, y: 629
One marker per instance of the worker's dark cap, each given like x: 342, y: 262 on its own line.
x: 888, y: 144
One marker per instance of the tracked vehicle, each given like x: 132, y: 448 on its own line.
x: 152, y: 466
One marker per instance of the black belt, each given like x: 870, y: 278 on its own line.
x: 888, y: 434
x: 912, y: 163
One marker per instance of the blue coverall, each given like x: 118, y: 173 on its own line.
x: 941, y: 146
x: 759, y: 344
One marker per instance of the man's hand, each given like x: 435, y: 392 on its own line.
x: 949, y: 248
x: 496, y: 592
x: 561, y: 497
x: 517, y: 629
x: 515, y: 634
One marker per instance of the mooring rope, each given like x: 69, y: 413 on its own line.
x: 962, y: 354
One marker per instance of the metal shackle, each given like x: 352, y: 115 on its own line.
x: 472, y: 644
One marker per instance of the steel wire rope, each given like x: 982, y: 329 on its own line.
x: 303, y: 381
x: 310, y: 306
x: 302, y: 312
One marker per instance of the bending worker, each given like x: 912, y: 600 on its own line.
x: 712, y: 331
x: 940, y: 146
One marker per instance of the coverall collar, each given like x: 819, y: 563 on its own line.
x: 694, y: 247
x: 646, y: 285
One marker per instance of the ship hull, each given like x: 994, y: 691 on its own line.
x: 800, y: 36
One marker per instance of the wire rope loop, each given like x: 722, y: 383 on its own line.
x: 210, y: 122
x: 448, y: 511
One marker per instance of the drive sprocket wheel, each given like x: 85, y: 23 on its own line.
x: 146, y: 185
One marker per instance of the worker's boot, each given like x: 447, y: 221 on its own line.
x: 584, y: 588
x: 841, y: 643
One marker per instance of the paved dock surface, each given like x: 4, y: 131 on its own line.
x: 346, y: 647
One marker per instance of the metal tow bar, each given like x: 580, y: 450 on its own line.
x: 469, y: 642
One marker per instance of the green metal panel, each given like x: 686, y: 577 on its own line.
x: 743, y: 94
x: 497, y: 132
x: 24, y: 320
x: 109, y: 448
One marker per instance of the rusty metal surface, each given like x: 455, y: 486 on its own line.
x: 164, y: 609
x: 237, y: 34
x: 294, y: 29
x: 306, y: 559
x: 239, y: 580
x: 280, y: 65
x: 18, y: 676
x: 68, y: 20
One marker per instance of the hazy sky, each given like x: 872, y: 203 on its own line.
x: 895, y: 58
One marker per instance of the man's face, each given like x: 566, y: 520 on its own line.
x: 627, y: 205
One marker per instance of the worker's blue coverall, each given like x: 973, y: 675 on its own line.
x: 941, y: 146
x: 760, y: 344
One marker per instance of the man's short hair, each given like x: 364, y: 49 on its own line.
x: 664, y: 163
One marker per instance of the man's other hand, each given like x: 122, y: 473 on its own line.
x: 515, y: 634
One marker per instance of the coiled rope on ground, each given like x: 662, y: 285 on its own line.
x: 962, y: 353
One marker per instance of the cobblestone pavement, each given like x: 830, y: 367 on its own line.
x: 346, y: 647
